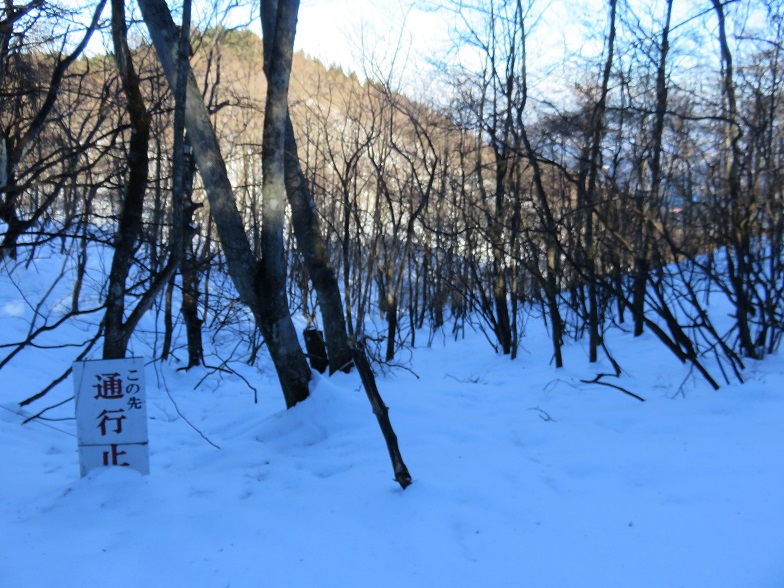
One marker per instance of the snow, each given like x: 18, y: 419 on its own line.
x: 523, y: 476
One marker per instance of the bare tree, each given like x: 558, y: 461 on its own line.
x: 260, y: 283
x: 304, y: 219
x: 16, y: 147
x: 647, y: 203
x: 589, y: 187
x: 117, y: 331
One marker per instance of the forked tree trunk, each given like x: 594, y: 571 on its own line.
x: 552, y: 249
x: 258, y: 283
x: 281, y: 37
x: 307, y: 231
x: 118, y: 331
x: 271, y: 277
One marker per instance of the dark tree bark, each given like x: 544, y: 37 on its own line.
x: 189, y: 269
x: 117, y: 330
x: 271, y: 277
x: 182, y: 192
x: 250, y: 277
x: 307, y: 231
x: 117, y: 333
x: 311, y: 244
x: 740, y: 207
x: 503, y: 328
x: 643, y: 262
x: 317, y: 350
x: 382, y: 414
x: 593, y: 164
x: 552, y: 249
x: 182, y: 209
x: 278, y: 133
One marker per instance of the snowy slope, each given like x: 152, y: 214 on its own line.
x: 523, y: 476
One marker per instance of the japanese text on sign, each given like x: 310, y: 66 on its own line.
x: 111, y: 414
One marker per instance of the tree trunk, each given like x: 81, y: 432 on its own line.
x: 307, y: 231
x: 642, y: 265
x: 597, y: 133
x: 503, y: 329
x: 252, y: 280
x: 741, y: 209
x: 642, y: 270
x: 392, y: 319
x: 117, y: 333
x: 311, y: 244
x: 168, y: 320
x: 552, y: 250
x: 189, y: 270
x: 271, y: 278
x: 317, y: 350
x: 382, y: 414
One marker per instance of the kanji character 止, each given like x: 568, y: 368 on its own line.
x: 114, y: 454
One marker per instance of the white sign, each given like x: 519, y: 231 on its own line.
x: 111, y: 414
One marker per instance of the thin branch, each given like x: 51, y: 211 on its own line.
x: 597, y: 380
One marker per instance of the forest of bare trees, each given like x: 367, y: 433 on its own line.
x: 227, y: 185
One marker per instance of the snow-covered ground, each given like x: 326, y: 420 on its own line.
x: 523, y: 476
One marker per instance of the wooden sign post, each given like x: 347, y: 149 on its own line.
x: 111, y: 414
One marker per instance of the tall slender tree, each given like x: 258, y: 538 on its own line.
x: 259, y: 282
x: 310, y: 240
x: 117, y: 331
